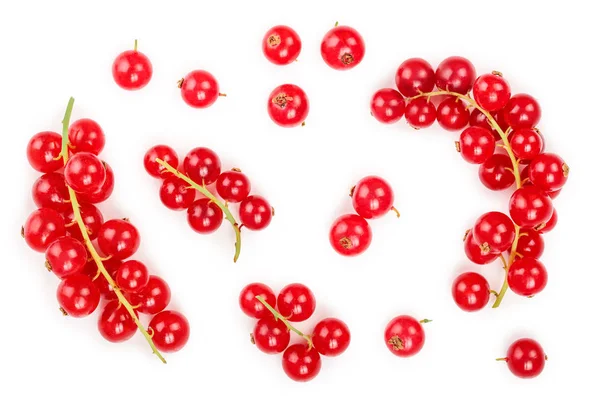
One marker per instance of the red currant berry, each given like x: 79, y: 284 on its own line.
x: 66, y: 256
x: 453, y: 114
x: 476, y: 144
x: 43, y: 226
x: 548, y: 172
x: 281, y: 45
x: 342, y: 48
x: 350, y: 235
x: 296, y: 302
x: 92, y: 219
x: 548, y: 225
x: 525, y: 358
x: 526, y: 143
x: 404, y: 336
x: 300, y: 363
x: 50, y: 191
x: 255, y: 213
x: 496, y: 172
x: 250, y: 304
x: 233, y: 186
x: 77, y: 295
x: 420, y: 113
x: 115, y: 323
x: 118, y: 238
x: 170, y: 331
x: 85, y: 173
x: 43, y: 151
x: 527, y: 276
x: 530, y: 244
x: 491, y: 91
x: 471, y: 291
x: 331, y: 337
x: 202, y: 165
x: 530, y: 207
x: 271, y: 336
x: 85, y: 135
x: 132, y: 276
x: 132, y: 70
x: 204, y: 216
x: 455, y: 74
x: 415, y: 76
x: 522, y: 111
x: 494, y: 231
x: 288, y: 105
x: 387, y: 106
x: 477, y: 118
x: 105, y: 190
x: 154, y: 297
x: 165, y: 153
x: 475, y: 253
x: 176, y: 194
x: 372, y: 197
x: 199, y: 89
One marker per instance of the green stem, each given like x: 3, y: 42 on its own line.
x: 280, y: 317
x: 88, y: 242
x: 135, y: 45
x: 511, y: 259
x: 207, y: 193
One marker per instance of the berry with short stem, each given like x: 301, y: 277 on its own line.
x: 233, y: 186
x: 456, y: 74
x: 91, y: 217
x: 105, y: 190
x: 548, y: 225
x: 163, y: 152
x: 288, y: 105
x: 494, y: 231
x: 66, y: 256
x: 50, y: 191
x: 453, y: 114
x: 115, y: 324
x: 154, y: 297
x: 199, y: 89
x: 176, y: 194
x: 281, y: 45
x: 526, y: 143
x: 204, y: 216
x: 387, y: 106
x: 530, y: 244
x: 43, y: 226
x: 77, y: 296
x: 350, y: 235
x: 342, y: 48
x: 301, y: 363
x: 132, y: 69
x: 529, y: 207
x: 85, y: 173
x: 496, y: 172
x: 373, y: 197
x: 202, y: 165
x: 527, y: 276
x: 331, y: 337
x: 415, y: 76
x: 525, y: 358
x: 132, y: 276
x: 476, y: 144
x: 420, y: 113
x: 522, y: 111
x: 475, y: 253
x: 118, y: 238
x: 170, y: 330
x: 86, y: 135
x: 43, y: 152
x: 548, y: 172
x: 404, y: 335
x: 491, y: 91
x: 297, y: 302
x: 249, y: 303
x: 270, y: 335
x: 471, y: 291
x: 255, y: 213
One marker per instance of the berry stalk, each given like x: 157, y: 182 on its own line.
x: 88, y: 242
x: 280, y: 317
x: 202, y: 189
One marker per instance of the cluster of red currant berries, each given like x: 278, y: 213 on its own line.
x: 67, y: 223
x: 295, y: 303
x: 201, y: 168
x: 372, y: 197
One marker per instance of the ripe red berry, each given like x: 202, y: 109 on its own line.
x: 331, y: 337
x: 107, y: 291
x: 165, y: 153
x: 255, y: 213
x: 456, y: 74
x: 522, y: 111
x: 118, y: 238
x: 288, y: 105
x: 176, y: 194
x: 153, y: 298
x: 415, y: 76
x: 491, y: 91
x: 115, y: 323
x: 471, y: 291
x: 494, y: 231
x: 170, y: 331
x: 43, y: 226
x: 204, y: 216
x: 296, y: 302
x: 342, y: 48
x: 85, y: 173
x: 300, y: 363
x: 548, y: 172
x: 525, y: 358
x: 271, y: 336
x: 404, y: 336
x: 50, y: 191
x: 43, y: 151
x: 202, y: 165
x: 199, y: 89
x: 92, y: 219
x: 527, y: 276
x: 77, y: 295
x: 85, y: 135
x: 548, y: 225
x: 387, y: 106
x: 66, y: 256
x: 496, y: 172
x: 475, y: 253
x: 530, y: 207
x: 281, y: 45
x: 132, y: 70
x: 420, y: 113
x: 453, y: 114
x: 250, y: 304
x: 526, y: 144
x: 233, y: 186
x: 105, y: 190
x: 372, y: 197
x: 350, y: 235
x: 476, y: 144
x: 132, y: 276
x: 530, y: 244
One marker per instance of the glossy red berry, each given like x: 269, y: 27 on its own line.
x: 300, y: 363
x: 132, y: 70
x: 471, y: 291
x: 530, y: 244
x: 456, y: 74
x: 85, y: 173
x: 118, y: 238
x: 525, y: 358
x: 204, y: 216
x: 115, y: 323
x: 548, y: 171
x: 66, y: 256
x: 43, y: 226
x: 522, y: 111
x: 530, y: 207
x: 50, y: 191
x: 494, y: 231
x: 526, y: 144
x: 420, y: 113
x: 288, y: 105
x: 85, y: 135
x: 387, y: 106
x: 271, y: 336
x: 255, y: 213
x: 475, y: 253
x: 281, y: 45
x: 415, y: 76
x: 453, y: 114
x: 202, y: 165
x: 176, y: 194
x: 491, y: 91
x: 132, y: 276
x: 548, y: 225
x: 165, y: 153
x: 404, y: 336
x: 342, y: 48
x: 77, y: 295
x: 92, y: 219
x: 331, y: 337
x: 496, y: 172
x: 527, y: 276
x: 372, y: 197
x: 476, y: 144
x: 105, y: 190
x: 296, y: 302
x: 199, y: 89
x: 350, y: 235
x: 233, y: 186
x: 154, y: 297
x: 170, y: 331
x: 43, y: 151
x: 250, y: 304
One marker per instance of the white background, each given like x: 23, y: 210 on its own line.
x: 51, y: 50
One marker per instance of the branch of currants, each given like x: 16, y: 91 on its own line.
x: 202, y: 189
x: 86, y: 239
x: 280, y: 317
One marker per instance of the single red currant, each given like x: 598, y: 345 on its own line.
x: 526, y: 144
x: 202, y: 165
x: 404, y: 336
x: 85, y: 173
x: 92, y: 219
x: 288, y: 105
x: 281, y: 45
x: 118, y: 238
x: 476, y: 144
x: 165, y: 153
x: 331, y: 337
x: 66, y: 256
x: 271, y: 336
x: 105, y: 190
x: 372, y: 197
x: 43, y: 226
x: 342, y: 48
x: 50, y: 191
x: 301, y: 363
x: 494, y: 231
x: 522, y: 111
x: 453, y: 114
x: 548, y: 172
x: 529, y: 207
x: 471, y: 291
x: 250, y: 304
x: 85, y: 135
x: 475, y: 253
x: 233, y: 186
x: 496, y: 172
x: 525, y: 358
x: 350, y: 235
x: 77, y: 295
x: 170, y: 331
x: 132, y: 70
x: 204, y: 216
x: 115, y: 323
x: 455, y: 74
x: 43, y: 151
x: 420, y: 113
x: 255, y: 213
x: 154, y: 297
x: 548, y: 225
x: 527, y: 276
x: 176, y: 194
x: 296, y: 302
x: 387, y: 106
x: 491, y: 91
x: 199, y: 89
x: 530, y: 244
x: 415, y: 76
x: 132, y: 276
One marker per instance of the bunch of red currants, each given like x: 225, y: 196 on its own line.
x: 295, y: 303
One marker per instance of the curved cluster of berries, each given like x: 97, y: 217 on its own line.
x: 271, y: 334
x: 67, y: 223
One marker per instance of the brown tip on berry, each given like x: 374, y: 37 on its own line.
x: 23, y: 232
x: 48, y: 266
x: 485, y: 248
x: 566, y: 170
x: 180, y: 83
x: 457, y: 146
x: 236, y: 169
x: 303, y: 123
x: 352, y: 190
x: 274, y: 40
x: 252, y: 339
x: 281, y: 99
x: 347, y: 58
x: 272, y: 211
x: 539, y: 227
x: 497, y: 73
x: 396, y: 343
x: 346, y: 243
x: 62, y: 310
x: 466, y: 234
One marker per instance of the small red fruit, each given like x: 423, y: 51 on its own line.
x: 43, y: 226
x: 530, y: 207
x: 387, y: 106
x: 475, y: 253
x: 199, y: 89
x: 255, y: 213
x: 494, y: 231
x: 300, y: 363
x: 496, y: 172
x: 132, y: 276
x: 476, y: 144
x: 154, y: 297
x: 204, y: 216
x: 342, y: 48
x: 420, y: 113
x: 491, y: 91
x: 176, y: 194
x: 522, y: 111
x: 170, y: 331
x: 453, y: 114
x: 132, y: 70
x: 415, y: 76
x: 105, y: 190
x: 50, y: 191
x: 281, y: 45
x: 251, y: 306
x: 404, y: 336
x: 85, y: 135
x: 233, y: 186
x: 77, y: 295
x: 85, y: 173
x: 456, y: 74
x: 548, y: 172
x: 525, y: 358
x: 165, y: 153
x: 350, y: 235
x: 43, y: 151
x: 471, y: 291
x: 288, y: 105
x: 331, y: 337
x: 271, y: 336
x: 296, y: 302
x: 527, y: 276
x: 115, y: 323
x: 372, y: 197
x: 66, y: 256
x: 118, y: 238
x: 202, y: 165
